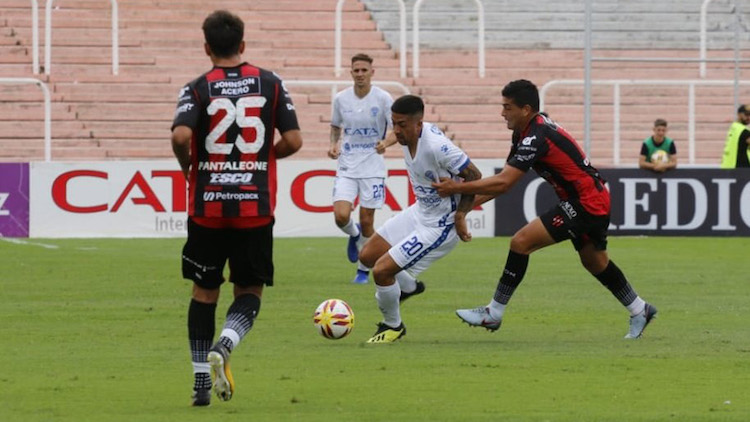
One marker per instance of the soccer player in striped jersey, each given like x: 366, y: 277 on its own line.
x: 582, y: 215
x: 427, y: 230
x: 223, y: 138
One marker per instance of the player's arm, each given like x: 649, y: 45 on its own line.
x: 466, y: 204
x: 493, y: 186
x: 333, y: 149
x: 181, y: 136
x: 644, y: 164
x: 389, y: 140
x: 290, y: 142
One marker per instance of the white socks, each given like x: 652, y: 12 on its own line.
x: 497, y: 309
x: 406, y: 282
x: 387, y: 297
x: 637, y: 306
x: 350, y: 228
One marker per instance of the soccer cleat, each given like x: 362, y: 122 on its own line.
x: 639, y: 322
x: 420, y: 289
x: 223, y: 385
x: 352, y: 251
x: 387, y: 334
x: 479, y: 317
x: 201, y: 397
x: 362, y: 277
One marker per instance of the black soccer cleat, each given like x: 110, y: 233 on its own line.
x: 419, y: 290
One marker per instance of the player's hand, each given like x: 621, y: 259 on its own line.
x: 380, y: 147
x: 461, y: 228
x: 446, y: 186
x: 333, y: 152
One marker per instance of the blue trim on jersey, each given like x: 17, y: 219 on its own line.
x: 464, y: 165
x: 438, y: 242
x: 454, y: 207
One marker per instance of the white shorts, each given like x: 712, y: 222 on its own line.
x: 371, y: 191
x: 414, y: 246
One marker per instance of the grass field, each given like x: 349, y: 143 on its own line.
x: 95, y: 330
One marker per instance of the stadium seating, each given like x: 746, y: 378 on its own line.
x: 98, y: 115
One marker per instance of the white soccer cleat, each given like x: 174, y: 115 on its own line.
x: 479, y: 317
x: 639, y: 322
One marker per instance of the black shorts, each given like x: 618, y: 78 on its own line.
x: 249, y: 252
x: 569, y: 220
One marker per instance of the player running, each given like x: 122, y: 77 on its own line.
x: 581, y: 216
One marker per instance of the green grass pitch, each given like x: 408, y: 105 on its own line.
x: 95, y: 330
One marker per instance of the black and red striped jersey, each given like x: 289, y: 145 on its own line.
x: 547, y: 148
x: 234, y: 113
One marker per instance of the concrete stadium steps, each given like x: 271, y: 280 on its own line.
x: 639, y: 24
x: 97, y: 115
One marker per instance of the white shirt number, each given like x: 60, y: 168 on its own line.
x: 236, y: 114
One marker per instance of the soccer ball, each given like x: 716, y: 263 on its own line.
x: 660, y: 156
x: 334, y: 319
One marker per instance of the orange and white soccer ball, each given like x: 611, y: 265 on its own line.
x: 334, y: 319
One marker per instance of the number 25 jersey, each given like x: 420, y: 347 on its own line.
x: 233, y: 112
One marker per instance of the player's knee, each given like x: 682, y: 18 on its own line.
x: 367, y: 256
x: 341, y: 219
x: 382, y: 274
x: 520, y: 243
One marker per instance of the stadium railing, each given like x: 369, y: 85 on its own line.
x: 402, y: 40
x: 617, y: 83
x: 47, y: 110
x: 415, y: 40
x: 48, y: 37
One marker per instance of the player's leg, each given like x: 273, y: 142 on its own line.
x: 344, y: 193
x: 377, y: 247
x: 251, y: 267
x: 204, y: 265
x: 411, y: 255
x: 366, y: 222
x: 528, y: 239
x: 371, y: 197
x: 595, y: 259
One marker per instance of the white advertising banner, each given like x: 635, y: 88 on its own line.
x: 147, y: 199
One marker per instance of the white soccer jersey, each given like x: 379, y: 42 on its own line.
x: 436, y: 157
x: 363, y: 122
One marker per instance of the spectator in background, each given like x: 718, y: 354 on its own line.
x: 658, y: 152
x: 737, y: 146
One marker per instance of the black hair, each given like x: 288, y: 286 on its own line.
x: 223, y: 32
x: 522, y: 92
x: 409, y: 105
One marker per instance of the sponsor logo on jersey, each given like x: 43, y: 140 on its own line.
x: 233, y: 165
x: 528, y: 140
x: 231, y: 179
x: 234, y: 87
x: 290, y: 106
x: 183, y: 91
x: 184, y: 108
x: 361, y: 131
x: 436, y: 130
x: 444, y: 148
x: 230, y: 196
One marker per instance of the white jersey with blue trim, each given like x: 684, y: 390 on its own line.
x: 363, y: 122
x: 436, y: 157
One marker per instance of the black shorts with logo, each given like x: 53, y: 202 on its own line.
x: 569, y: 220
x: 249, y: 252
